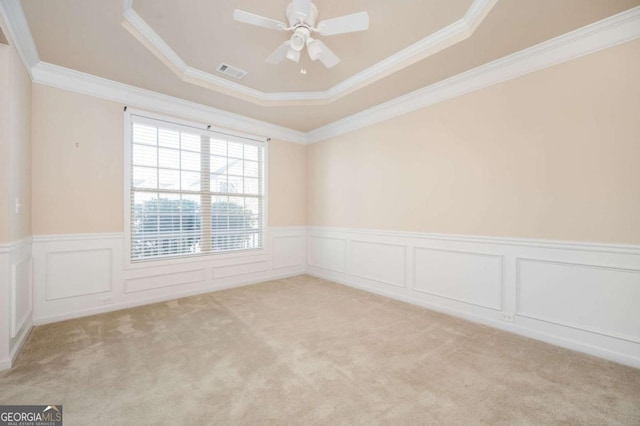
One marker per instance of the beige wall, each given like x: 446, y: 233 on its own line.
x: 77, y: 163
x: 15, y: 147
x: 287, y: 184
x: 550, y: 155
x: 79, y: 189
x: 554, y: 155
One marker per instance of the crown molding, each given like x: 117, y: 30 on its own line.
x: 79, y: 82
x: 63, y: 78
x: 16, y: 23
x: 436, y: 42
x: 600, y: 35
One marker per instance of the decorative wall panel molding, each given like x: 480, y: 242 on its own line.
x: 582, y: 296
x: 248, y: 268
x: 169, y: 279
x: 467, y: 277
x: 21, y: 293
x: 66, y: 273
x: 327, y: 253
x: 287, y: 251
x: 603, y: 299
x: 578, y: 295
x: 84, y: 274
x: 382, y: 262
x: 16, y: 296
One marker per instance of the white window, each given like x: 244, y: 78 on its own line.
x: 192, y: 191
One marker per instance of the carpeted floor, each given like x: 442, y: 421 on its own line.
x: 306, y: 351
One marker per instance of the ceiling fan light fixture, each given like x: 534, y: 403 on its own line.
x: 314, y: 48
x: 299, y: 38
x: 293, y: 55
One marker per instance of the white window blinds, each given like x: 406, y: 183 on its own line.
x: 193, y: 191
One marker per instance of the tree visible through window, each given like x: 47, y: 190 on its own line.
x: 193, y: 191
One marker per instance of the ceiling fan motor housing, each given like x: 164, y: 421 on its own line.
x: 307, y: 21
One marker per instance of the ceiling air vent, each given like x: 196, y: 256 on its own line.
x: 231, y: 71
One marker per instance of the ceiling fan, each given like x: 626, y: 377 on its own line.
x: 302, y: 15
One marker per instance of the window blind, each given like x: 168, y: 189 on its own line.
x: 193, y: 191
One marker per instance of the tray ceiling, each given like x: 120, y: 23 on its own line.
x: 87, y: 35
x: 206, y: 34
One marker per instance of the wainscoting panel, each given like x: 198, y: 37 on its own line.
x: 578, y: 295
x: 79, y: 275
x: 382, y: 262
x: 235, y: 270
x: 16, y: 299
x: 327, y: 253
x: 596, y: 298
x: 287, y: 251
x: 473, y: 278
x: 21, y: 294
x: 160, y: 280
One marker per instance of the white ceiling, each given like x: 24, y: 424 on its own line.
x: 88, y: 36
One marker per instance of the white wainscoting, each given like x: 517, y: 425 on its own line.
x: 85, y: 274
x: 16, y: 294
x: 578, y: 295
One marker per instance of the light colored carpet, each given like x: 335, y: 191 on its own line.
x: 306, y: 351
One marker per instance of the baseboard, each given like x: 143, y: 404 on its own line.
x: 19, y: 343
x: 5, y: 364
x: 22, y: 339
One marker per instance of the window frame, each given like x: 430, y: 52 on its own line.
x: 204, y: 257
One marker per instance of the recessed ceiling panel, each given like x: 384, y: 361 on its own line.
x: 203, y: 33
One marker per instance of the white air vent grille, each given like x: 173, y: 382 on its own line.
x: 231, y: 71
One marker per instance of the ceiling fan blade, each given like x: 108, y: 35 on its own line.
x: 302, y: 8
x: 279, y: 54
x: 344, y: 24
x: 327, y: 57
x: 260, y: 21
